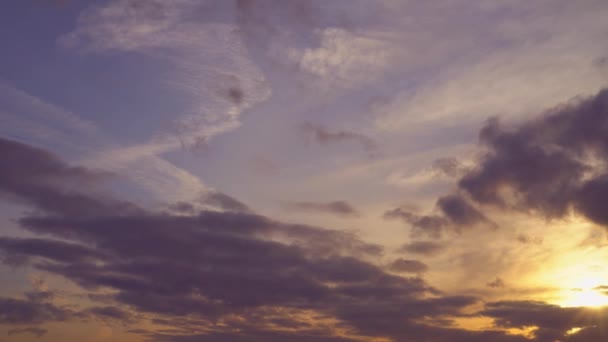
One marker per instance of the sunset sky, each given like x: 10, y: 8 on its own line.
x: 304, y: 170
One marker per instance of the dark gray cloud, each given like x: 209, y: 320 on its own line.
x: 204, y: 264
x: 430, y: 225
x: 224, y: 202
x: 107, y: 313
x: 214, y: 199
x: 341, y: 208
x: 408, y: 266
x: 422, y: 247
x: 549, y: 165
x: 18, y: 311
x: 324, y: 136
x: 17, y: 251
x: 459, y: 211
x: 34, y: 310
x: 37, y: 177
x: 552, y: 321
x: 454, y: 213
x: 39, y: 295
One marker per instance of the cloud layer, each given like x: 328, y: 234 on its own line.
x: 208, y: 266
x: 357, y: 118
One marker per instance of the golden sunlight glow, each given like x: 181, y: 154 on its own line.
x: 577, y: 274
x: 573, y: 331
x: 585, y: 294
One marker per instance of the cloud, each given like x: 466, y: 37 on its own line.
x: 525, y: 239
x: 551, y: 322
x: 431, y: 225
x: 440, y: 170
x: 496, y: 283
x: 29, y: 119
x: 41, y: 179
x: 208, y: 47
x: 250, y: 336
x: 208, y: 267
x: 39, y: 295
x: 547, y: 166
x: 455, y: 213
x: 345, y: 57
x: 26, y: 116
x: 422, y: 247
x: 223, y: 201
x: 38, y: 332
x: 408, y: 266
x: 19, y: 251
x: 324, y: 136
x: 504, y: 72
x: 340, y: 208
x: 17, y: 311
x: 207, y: 59
x: 331, y: 47
x: 459, y: 211
x: 450, y: 167
x: 603, y: 289
x: 108, y: 313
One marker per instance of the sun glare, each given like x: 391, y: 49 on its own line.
x: 586, y: 294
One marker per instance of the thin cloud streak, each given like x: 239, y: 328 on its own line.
x: 340, y: 208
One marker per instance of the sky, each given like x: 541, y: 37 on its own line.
x: 303, y: 170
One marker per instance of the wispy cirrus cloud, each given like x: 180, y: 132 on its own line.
x: 207, y: 59
x: 30, y: 119
x: 325, y: 136
x: 525, y: 50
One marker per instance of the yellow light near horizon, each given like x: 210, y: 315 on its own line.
x: 586, y: 298
x: 585, y: 294
x: 573, y: 331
